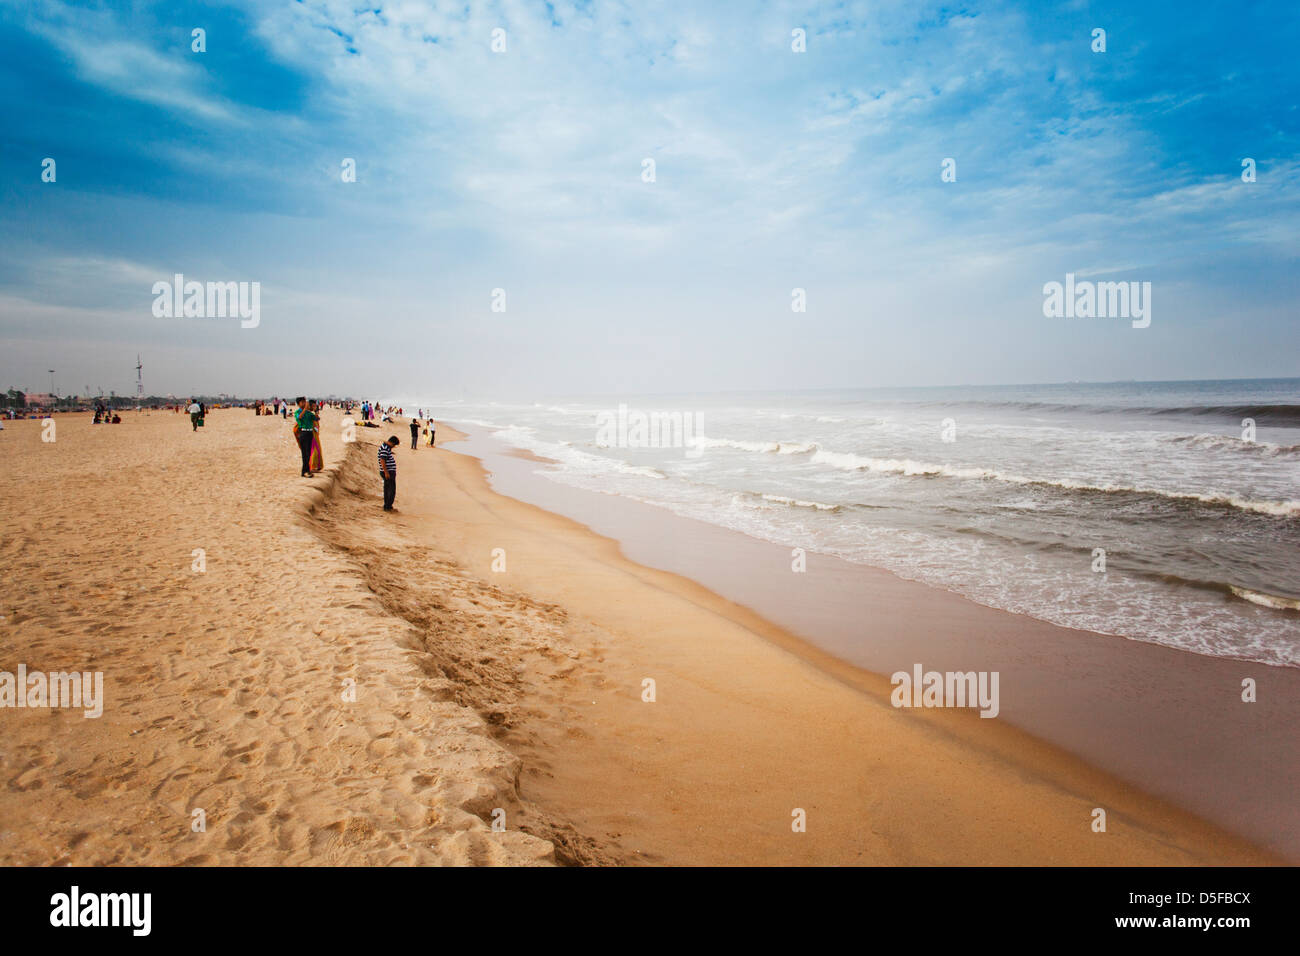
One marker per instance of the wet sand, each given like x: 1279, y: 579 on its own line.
x: 750, y: 723
x: 1170, y: 722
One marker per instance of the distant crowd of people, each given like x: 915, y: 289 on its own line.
x: 306, y: 429
x: 370, y: 411
x: 276, y: 406
x: 307, y: 426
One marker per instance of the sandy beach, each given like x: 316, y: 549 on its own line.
x: 499, y: 655
x: 224, y: 688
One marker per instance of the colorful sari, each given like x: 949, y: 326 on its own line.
x: 317, y: 460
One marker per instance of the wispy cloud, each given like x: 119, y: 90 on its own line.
x: 478, y: 169
x: 94, y: 43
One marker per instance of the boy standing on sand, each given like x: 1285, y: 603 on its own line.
x: 388, y: 470
x: 415, y: 432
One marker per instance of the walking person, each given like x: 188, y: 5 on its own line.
x: 388, y: 470
x: 415, y: 432
x: 304, y: 431
x: 196, y: 413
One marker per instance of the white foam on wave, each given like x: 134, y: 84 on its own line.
x: 1262, y: 449
x: 567, y: 456
x: 642, y: 470
x: 1266, y: 600
x: 801, y: 503
x: 765, y: 447
x: 847, y: 461
x: 750, y: 499
x: 561, y: 410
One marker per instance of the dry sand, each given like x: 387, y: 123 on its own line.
x: 477, y: 689
x: 224, y: 688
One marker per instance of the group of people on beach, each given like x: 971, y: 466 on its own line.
x: 306, y: 431
x: 369, y: 411
x: 276, y: 406
x: 415, y: 432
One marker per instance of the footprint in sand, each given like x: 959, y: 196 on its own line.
x: 27, y: 780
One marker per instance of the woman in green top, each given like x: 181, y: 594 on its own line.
x: 304, y: 430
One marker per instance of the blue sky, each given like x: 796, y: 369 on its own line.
x: 522, y: 170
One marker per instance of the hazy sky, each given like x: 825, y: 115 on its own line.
x: 522, y: 170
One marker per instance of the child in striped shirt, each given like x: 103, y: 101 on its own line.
x: 388, y: 470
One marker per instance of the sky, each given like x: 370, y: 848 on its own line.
x: 524, y: 169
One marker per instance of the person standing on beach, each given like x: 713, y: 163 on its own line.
x: 431, y: 432
x: 415, y: 432
x: 317, y: 460
x: 388, y: 470
x: 196, y: 412
x: 304, y: 430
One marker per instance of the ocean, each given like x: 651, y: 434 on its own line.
x: 1145, y: 510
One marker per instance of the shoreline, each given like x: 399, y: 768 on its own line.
x: 761, y: 722
x: 1169, y: 722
